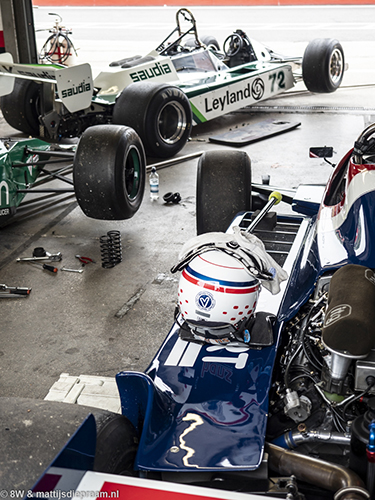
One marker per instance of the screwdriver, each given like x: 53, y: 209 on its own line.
x: 52, y: 269
x: 14, y: 291
x: 47, y: 267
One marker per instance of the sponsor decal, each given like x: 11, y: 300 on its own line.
x: 205, y: 301
x: 32, y: 160
x: 4, y: 185
x: 82, y: 87
x: 218, y: 370
x: 148, y: 73
x: 254, y: 90
x: 4, y: 211
x: 185, y: 354
x: 238, y: 94
x: 33, y: 74
x: 257, y: 89
x: 220, y: 103
x: 6, y: 69
x: 337, y: 313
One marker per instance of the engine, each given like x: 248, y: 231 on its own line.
x: 322, y: 401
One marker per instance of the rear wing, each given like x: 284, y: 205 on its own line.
x: 74, y: 85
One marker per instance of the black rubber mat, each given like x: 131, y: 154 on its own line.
x: 247, y: 134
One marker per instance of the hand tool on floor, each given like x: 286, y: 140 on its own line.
x: 85, y: 260
x: 46, y: 267
x: 71, y: 270
x: 40, y: 254
x: 14, y: 291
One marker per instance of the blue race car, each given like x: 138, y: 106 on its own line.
x: 265, y: 383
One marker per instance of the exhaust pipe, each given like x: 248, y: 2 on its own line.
x: 344, y: 482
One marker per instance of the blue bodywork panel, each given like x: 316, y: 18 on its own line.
x: 204, y: 407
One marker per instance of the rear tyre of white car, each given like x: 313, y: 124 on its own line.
x: 160, y: 113
x: 223, y: 189
x: 323, y: 65
x: 109, y: 172
x: 20, y: 107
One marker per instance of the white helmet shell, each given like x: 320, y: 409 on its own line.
x: 216, y: 287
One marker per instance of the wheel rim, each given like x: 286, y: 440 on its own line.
x: 132, y: 172
x: 336, y: 66
x: 172, y: 122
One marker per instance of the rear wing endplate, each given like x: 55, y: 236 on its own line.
x: 74, y: 84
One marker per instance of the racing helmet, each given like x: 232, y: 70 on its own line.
x: 217, y: 296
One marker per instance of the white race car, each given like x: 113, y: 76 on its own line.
x: 187, y: 80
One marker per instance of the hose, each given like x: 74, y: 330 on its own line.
x: 292, y: 439
x: 326, y: 475
x: 55, y: 43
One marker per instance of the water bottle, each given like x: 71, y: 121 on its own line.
x: 154, y: 184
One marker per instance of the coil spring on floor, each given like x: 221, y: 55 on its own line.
x: 110, y: 249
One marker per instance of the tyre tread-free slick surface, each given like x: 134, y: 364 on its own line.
x: 159, y: 113
x: 109, y: 172
x: 223, y: 189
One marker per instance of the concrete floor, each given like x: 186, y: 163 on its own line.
x: 106, y: 320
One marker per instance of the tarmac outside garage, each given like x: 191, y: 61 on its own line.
x: 101, y: 321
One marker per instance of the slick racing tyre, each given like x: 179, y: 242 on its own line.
x: 109, y: 172
x: 323, y: 65
x: 223, y: 189
x: 116, y: 445
x: 20, y: 107
x: 159, y: 113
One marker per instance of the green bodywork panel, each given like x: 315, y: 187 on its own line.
x: 14, y: 174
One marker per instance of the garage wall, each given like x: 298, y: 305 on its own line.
x: 188, y: 3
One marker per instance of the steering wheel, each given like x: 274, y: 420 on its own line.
x: 232, y: 45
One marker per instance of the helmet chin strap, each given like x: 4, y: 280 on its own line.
x: 254, y: 332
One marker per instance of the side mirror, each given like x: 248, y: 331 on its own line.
x: 323, y: 152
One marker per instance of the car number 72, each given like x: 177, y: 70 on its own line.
x: 279, y: 79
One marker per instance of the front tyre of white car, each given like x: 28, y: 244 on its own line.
x: 160, y: 113
x: 323, y: 65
